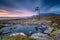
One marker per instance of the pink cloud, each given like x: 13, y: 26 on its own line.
x: 19, y: 13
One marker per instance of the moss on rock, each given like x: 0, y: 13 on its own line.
x: 19, y: 37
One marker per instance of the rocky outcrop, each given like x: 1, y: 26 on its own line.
x: 15, y: 34
x: 40, y: 36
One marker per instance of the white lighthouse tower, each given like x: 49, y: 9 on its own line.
x: 37, y: 9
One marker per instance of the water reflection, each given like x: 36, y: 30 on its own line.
x: 19, y: 28
x: 28, y: 30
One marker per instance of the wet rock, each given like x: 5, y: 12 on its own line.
x: 15, y: 34
x: 58, y: 36
x: 30, y: 32
x: 49, y: 30
x: 40, y: 36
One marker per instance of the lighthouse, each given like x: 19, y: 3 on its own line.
x: 37, y: 9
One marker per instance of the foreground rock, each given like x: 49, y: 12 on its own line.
x: 58, y: 36
x: 15, y: 34
x: 19, y: 37
x: 49, y: 30
x: 40, y: 36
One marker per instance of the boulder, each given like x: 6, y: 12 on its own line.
x: 15, y: 34
x: 48, y: 30
x: 40, y: 36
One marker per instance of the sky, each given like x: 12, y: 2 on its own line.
x: 25, y: 8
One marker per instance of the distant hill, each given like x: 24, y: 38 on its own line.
x: 45, y: 15
x: 49, y: 14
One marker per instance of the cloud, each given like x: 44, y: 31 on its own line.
x: 22, y: 13
x: 45, y: 5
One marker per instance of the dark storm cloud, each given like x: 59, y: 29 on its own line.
x: 45, y: 5
x: 50, y: 3
x: 6, y: 3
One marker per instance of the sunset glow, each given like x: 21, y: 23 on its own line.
x: 24, y: 13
